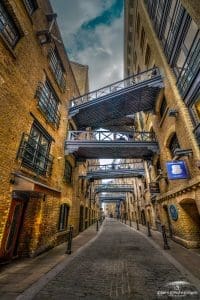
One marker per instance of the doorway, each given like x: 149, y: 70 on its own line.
x: 12, y: 230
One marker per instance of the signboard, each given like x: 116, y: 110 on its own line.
x: 173, y: 212
x: 154, y: 188
x: 177, y: 170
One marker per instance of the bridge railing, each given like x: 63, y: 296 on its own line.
x: 108, y: 136
x: 113, y: 186
x: 116, y: 86
x: 111, y: 167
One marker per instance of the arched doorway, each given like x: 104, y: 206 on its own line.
x: 192, y: 219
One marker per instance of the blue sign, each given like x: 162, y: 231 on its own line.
x: 173, y: 212
x: 177, y: 170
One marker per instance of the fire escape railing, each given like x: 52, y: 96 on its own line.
x: 108, y: 136
x: 116, y: 86
x: 123, y: 188
x: 121, y: 166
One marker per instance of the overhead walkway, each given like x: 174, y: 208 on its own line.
x: 112, y: 198
x: 105, y: 144
x: 122, y: 170
x: 114, y: 188
x: 114, y: 105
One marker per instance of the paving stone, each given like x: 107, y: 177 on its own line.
x: 119, y: 264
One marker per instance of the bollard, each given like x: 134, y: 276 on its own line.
x: 69, y: 244
x: 166, y: 245
x: 130, y: 222
x: 148, y: 229
x: 97, y: 227
x: 137, y: 223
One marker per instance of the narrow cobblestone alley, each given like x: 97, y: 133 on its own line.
x: 119, y: 264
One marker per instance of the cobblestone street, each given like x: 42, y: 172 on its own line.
x: 119, y: 264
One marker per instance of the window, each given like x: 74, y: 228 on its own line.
x: 173, y: 28
x: 34, y: 150
x: 174, y: 144
x: 31, y: 6
x: 196, y: 110
x: 163, y: 107
x: 7, y: 27
x: 48, y: 103
x: 142, y: 39
x: 195, y: 113
x: 185, y: 47
x: 57, y: 68
x: 63, y: 217
x: 188, y: 64
x: 147, y: 55
x: 68, y: 172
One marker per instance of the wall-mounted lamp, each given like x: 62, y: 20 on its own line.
x: 172, y: 112
x: 178, y: 153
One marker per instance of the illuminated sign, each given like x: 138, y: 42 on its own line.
x: 177, y: 170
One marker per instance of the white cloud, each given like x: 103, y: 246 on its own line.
x: 73, y: 13
x: 105, y: 58
x: 101, y: 48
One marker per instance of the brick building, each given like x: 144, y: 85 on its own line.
x: 166, y: 34
x: 38, y: 182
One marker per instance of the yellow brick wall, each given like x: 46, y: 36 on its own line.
x: 20, y: 72
x: 165, y: 127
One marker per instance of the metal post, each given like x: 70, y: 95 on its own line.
x: 69, y: 244
x: 137, y: 223
x: 148, y: 229
x: 97, y: 227
x: 130, y: 222
x: 166, y: 245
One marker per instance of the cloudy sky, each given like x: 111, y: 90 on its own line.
x: 92, y: 31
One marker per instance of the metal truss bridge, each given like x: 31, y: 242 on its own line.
x: 105, y: 144
x: 112, y: 198
x: 113, y: 106
x: 114, y: 188
x: 109, y: 171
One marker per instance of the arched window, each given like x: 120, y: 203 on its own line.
x: 63, y: 217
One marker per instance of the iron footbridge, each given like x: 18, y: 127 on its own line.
x: 114, y: 105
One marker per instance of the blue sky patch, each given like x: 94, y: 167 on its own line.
x: 107, y: 16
